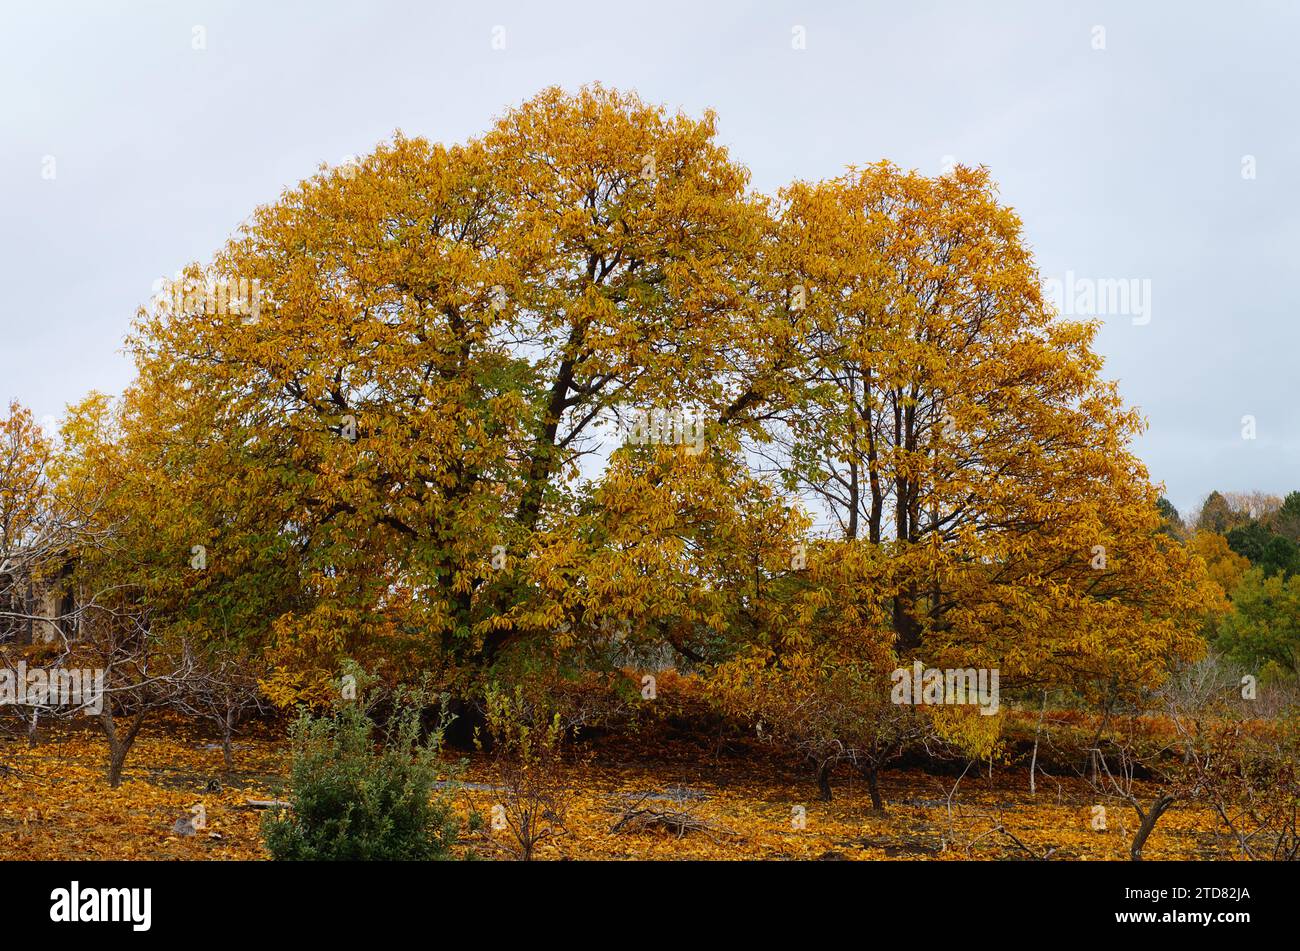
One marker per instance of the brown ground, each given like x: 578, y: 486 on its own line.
x: 56, y: 804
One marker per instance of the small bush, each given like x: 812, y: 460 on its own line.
x: 353, y: 801
x: 527, y: 739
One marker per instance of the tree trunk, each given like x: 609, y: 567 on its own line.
x: 872, y: 774
x: 542, y: 458
x: 116, y: 760
x: 1091, y: 761
x: 1033, y: 762
x: 824, y: 780
x: 907, y: 631
x: 119, y: 744
x: 1149, y: 820
x: 526, y: 840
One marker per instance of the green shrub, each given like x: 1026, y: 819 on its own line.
x: 354, y: 800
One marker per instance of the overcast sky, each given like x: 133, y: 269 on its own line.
x: 1153, y: 143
